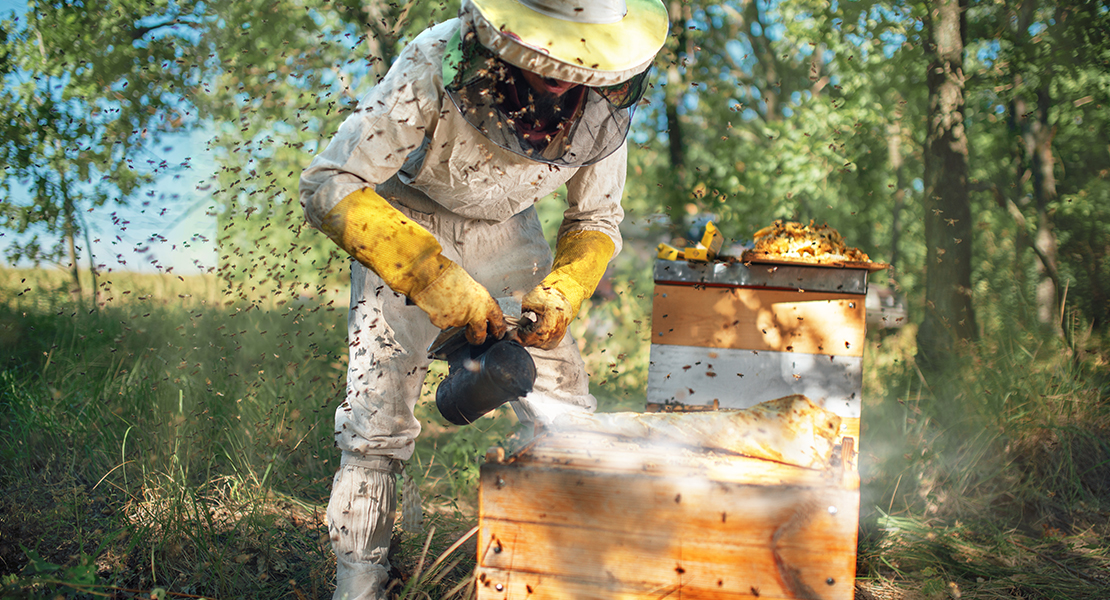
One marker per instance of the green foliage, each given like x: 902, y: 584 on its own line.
x: 213, y: 491
x: 805, y: 110
x: 983, y: 561
x: 1007, y: 498
x: 42, y: 578
x: 1038, y: 89
x: 440, y: 578
x: 188, y: 410
x: 288, y: 81
x: 449, y: 457
x: 799, y: 109
x: 1085, y: 244
x: 86, y: 94
x: 614, y: 336
x: 794, y: 110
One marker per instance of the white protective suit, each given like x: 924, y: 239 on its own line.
x: 408, y: 140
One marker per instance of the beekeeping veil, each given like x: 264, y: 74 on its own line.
x: 605, y: 46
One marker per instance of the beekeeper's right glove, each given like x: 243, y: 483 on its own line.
x: 408, y: 258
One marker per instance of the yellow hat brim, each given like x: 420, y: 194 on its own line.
x: 625, y: 45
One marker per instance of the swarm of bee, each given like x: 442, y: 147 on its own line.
x: 810, y: 243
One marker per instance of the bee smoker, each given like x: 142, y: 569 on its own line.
x: 481, y: 378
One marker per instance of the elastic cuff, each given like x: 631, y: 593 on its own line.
x: 379, y: 463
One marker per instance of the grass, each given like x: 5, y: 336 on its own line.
x: 175, y: 441
x: 998, y: 488
x: 183, y: 442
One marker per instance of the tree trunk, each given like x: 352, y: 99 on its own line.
x: 74, y: 269
x: 92, y: 264
x: 672, y: 96
x: 378, y: 40
x: 949, y: 317
x: 765, y: 55
x: 1044, y: 192
x: 1036, y: 163
x: 70, y: 231
x: 897, y: 164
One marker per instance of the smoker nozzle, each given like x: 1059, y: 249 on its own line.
x: 481, y: 378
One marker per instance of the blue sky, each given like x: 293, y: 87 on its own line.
x: 169, y: 224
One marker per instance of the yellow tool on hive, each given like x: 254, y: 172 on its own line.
x: 705, y: 251
x: 669, y: 252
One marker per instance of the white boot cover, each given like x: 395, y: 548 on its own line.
x: 360, y: 523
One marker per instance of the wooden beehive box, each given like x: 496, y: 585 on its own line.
x: 733, y: 335
x: 587, y: 516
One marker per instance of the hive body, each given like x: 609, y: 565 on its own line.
x: 589, y: 516
x: 585, y: 515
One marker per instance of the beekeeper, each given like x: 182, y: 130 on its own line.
x: 430, y: 184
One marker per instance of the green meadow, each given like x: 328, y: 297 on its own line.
x: 175, y: 442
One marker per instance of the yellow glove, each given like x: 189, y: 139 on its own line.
x: 408, y: 258
x: 580, y: 260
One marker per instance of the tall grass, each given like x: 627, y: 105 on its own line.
x: 996, y: 483
x: 194, y: 425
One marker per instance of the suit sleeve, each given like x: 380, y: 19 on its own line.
x: 373, y: 142
x: 594, y: 198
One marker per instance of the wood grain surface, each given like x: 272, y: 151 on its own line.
x: 758, y: 319
x: 582, y: 517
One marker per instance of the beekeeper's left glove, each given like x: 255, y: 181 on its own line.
x: 580, y: 261
x: 408, y: 258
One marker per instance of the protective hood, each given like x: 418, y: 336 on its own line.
x: 604, y: 47
x: 589, y: 42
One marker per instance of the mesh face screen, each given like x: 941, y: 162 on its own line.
x: 578, y: 128
x: 626, y: 94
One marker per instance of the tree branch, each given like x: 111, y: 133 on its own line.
x: 1019, y: 219
x: 139, y: 32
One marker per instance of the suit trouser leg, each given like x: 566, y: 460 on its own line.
x: 388, y: 341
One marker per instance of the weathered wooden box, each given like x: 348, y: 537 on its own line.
x: 580, y: 515
x: 589, y: 516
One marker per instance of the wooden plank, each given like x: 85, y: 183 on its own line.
x: 631, y: 568
x: 743, y: 378
x: 758, y: 319
x: 499, y: 584
x: 639, y: 533
x: 849, y: 426
x: 692, y: 507
x: 606, y: 454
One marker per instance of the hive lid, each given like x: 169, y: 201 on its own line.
x: 780, y: 275
x: 752, y: 257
